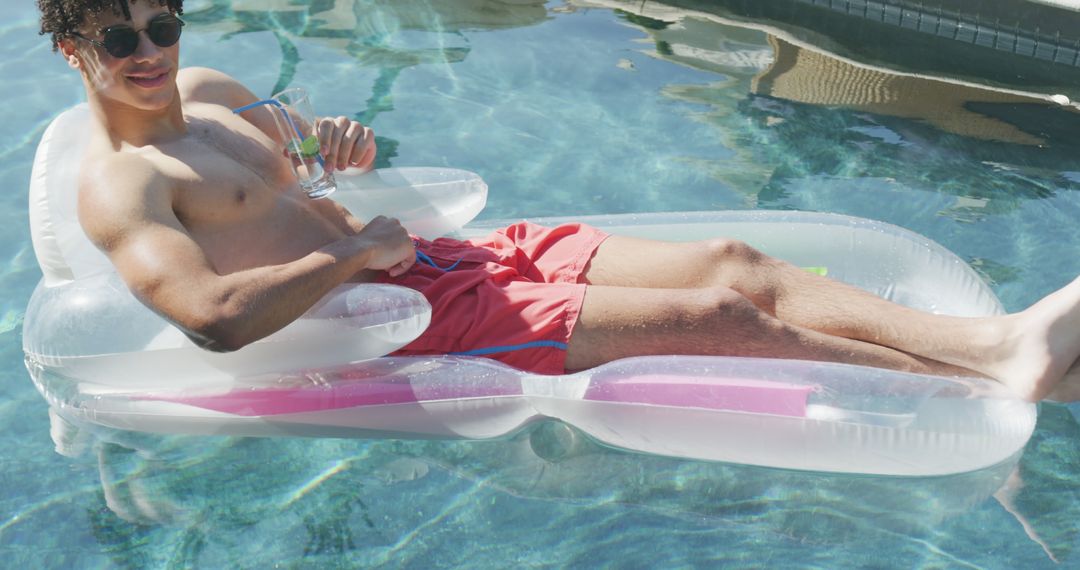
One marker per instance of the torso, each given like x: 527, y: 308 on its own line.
x: 235, y: 193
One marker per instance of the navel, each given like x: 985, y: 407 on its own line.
x: 241, y: 196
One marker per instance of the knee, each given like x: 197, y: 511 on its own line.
x: 723, y: 250
x: 749, y: 271
x: 728, y: 306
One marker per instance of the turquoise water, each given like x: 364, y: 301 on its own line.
x: 565, y: 109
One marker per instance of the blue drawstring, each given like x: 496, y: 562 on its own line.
x: 423, y: 257
x: 511, y: 348
x: 288, y: 119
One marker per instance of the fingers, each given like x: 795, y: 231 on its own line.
x: 409, y: 248
x: 363, y: 154
x: 331, y: 132
x: 381, y: 219
x: 402, y: 267
x: 346, y: 143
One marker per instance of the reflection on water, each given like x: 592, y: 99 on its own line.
x: 219, y: 487
x: 824, y: 124
x: 1006, y: 44
x: 805, y: 76
x: 801, y: 72
x: 189, y: 500
x: 366, y: 29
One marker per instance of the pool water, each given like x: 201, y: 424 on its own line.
x: 568, y: 108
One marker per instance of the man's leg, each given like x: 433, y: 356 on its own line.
x: 619, y: 322
x: 787, y: 292
x: 1029, y: 351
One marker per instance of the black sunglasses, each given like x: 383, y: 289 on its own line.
x: 122, y: 41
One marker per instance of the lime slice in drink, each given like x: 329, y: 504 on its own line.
x: 310, y: 146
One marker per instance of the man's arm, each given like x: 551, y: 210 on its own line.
x: 133, y: 221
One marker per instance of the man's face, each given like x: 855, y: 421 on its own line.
x: 146, y: 79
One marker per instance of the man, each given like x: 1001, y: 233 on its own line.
x: 199, y: 211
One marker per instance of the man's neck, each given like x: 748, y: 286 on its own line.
x: 130, y: 125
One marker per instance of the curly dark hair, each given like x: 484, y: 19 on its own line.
x: 62, y: 17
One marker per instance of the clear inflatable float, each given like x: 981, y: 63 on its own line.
x: 97, y: 355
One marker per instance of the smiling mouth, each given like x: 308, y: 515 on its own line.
x: 149, y: 81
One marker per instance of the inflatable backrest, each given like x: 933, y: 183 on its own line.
x: 63, y: 250
x: 429, y: 202
x: 83, y: 319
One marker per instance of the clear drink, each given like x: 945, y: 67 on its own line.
x: 315, y: 180
x: 296, y: 121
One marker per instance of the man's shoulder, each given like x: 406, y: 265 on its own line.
x: 206, y: 85
x: 106, y: 165
x: 110, y: 180
x: 120, y: 192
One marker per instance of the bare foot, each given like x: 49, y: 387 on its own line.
x: 1041, y: 345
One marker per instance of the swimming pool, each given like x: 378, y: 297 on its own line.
x: 567, y: 109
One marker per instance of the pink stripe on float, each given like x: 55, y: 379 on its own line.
x: 277, y: 401
x: 734, y: 394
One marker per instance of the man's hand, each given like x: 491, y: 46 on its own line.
x: 346, y: 143
x: 392, y: 249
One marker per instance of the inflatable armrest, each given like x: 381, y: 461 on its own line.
x: 429, y: 202
x: 96, y: 330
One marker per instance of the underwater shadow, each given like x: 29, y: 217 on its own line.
x: 340, y: 494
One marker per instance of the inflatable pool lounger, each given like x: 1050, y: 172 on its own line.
x: 98, y: 355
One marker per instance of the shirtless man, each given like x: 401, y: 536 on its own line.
x: 199, y: 211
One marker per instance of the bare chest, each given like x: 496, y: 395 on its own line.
x: 225, y: 173
x: 236, y: 195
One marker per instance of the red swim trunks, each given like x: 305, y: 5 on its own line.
x: 513, y: 296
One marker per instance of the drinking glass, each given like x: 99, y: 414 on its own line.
x: 296, y: 121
